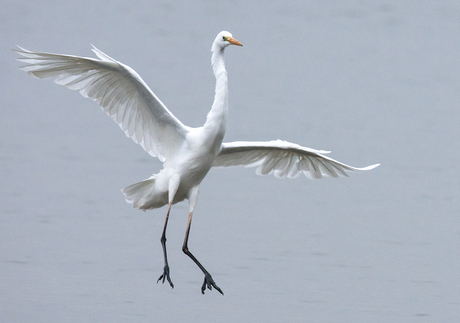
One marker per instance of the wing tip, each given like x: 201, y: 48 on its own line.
x: 103, y: 56
x: 17, y: 50
x: 369, y: 167
x: 27, y: 54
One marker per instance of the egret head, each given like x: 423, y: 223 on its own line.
x: 223, y: 39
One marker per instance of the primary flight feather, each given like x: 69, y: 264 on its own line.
x: 187, y: 153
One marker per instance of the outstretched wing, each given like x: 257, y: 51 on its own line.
x: 121, y: 93
x: 282, y: 158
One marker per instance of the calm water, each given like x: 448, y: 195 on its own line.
x: 373, y: 81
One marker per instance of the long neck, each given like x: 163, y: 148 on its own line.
x: 216, y: 121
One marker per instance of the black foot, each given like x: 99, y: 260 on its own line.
x: 166, y: 276
x: 209, y: 283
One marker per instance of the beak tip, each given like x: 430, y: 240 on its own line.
x: 233, y: 41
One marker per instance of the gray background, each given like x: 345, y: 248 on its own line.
x: 373, y: 81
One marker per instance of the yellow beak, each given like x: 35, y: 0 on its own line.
x: 233, y: 41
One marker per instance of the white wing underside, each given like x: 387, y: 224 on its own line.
x: 120, y: 92
x: 283, y: 159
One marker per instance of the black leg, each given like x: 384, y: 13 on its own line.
x: 208, y: 281
x: 165, y: 274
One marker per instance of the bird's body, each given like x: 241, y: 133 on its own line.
x: 197, y: 155
x: 188, y: 153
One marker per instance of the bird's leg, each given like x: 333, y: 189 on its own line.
x: 174, y: 183
x: 165, y: 274
x: 208, y: 281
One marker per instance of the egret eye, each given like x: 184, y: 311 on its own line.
x: 224, y: 38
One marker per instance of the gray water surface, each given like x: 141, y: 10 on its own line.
x: 373, y: 81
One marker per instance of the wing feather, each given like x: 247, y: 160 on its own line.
x: 283, y: 159
x: 120, y: 92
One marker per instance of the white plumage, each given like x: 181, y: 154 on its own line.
x: 282, y: 158
x: 188, y: 153
x: 120, y: 92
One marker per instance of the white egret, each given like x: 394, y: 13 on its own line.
x: 187, y: 153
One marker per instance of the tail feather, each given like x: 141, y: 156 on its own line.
x: 142, y: 194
